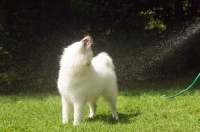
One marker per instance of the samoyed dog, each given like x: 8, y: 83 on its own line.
x: 83, y: 78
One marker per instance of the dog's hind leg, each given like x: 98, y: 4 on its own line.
x: 92, y: 106
x: 111, y: 98
x: 112, y: 103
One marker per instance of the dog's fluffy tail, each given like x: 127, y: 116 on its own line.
x: 103, y: 59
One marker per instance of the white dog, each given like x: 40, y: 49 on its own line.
x: 82, y: 79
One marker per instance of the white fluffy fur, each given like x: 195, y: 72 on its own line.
x: 82, y: 79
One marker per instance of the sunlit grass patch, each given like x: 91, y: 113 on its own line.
x: 140, y: 108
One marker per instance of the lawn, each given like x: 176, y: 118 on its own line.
x: 140, y: 107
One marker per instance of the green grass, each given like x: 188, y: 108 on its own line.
x: 140, y: 108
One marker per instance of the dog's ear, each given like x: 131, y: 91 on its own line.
x: 88, y: 63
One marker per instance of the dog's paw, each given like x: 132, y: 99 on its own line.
x: 76, y: 123
x: 65, y: 121
x: 115, y: 117
x: 90, y: 115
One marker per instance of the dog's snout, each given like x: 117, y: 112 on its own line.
x: 87, y: 41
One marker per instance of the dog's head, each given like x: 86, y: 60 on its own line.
x: 80, y: 51
x: 82, y: 46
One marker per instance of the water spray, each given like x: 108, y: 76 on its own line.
x: 151, y: 57
x: 190, y: 32
x: 172, y: 96
x: 174, y: 42
x: 142, y: 65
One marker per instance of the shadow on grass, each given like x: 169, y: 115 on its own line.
x: 123, y: 118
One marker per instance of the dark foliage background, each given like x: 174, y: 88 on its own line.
x: 33, y: 33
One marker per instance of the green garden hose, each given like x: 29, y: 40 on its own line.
x: 172, y: 96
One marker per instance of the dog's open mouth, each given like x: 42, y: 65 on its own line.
x: 87, y: 41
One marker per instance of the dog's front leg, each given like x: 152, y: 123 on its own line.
x: 79, y: 109
x: 66, y: 110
